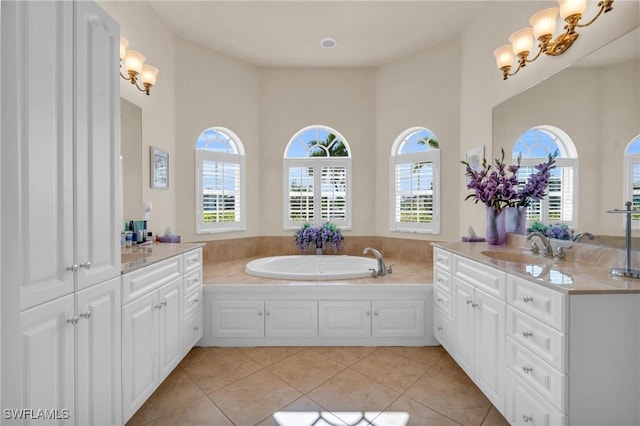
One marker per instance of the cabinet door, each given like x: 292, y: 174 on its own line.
x: 47, y: 353
x: 463, y: 325
x: 98, y: 360
x: 237, y: 318
x: 398, y: 318
x: 340, y: 318
x: 97, y: 145
x: 139, y: 352
x: 297, y: 318
x: 489, y: 368
x: 37, y: 149
x: 170, y: 326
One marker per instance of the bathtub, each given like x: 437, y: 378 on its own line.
x: 312, y: 267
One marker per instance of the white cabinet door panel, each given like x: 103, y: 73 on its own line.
x: 349, y: 318
x: 170, y: 326
x: 231, y: 318
x: 398, y: 318
x: 464, y: 325
x: 291, y: 318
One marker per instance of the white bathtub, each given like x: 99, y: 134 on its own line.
x: 311, y: 267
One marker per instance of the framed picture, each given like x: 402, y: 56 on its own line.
x: 475, y: 157
x: 159, y: 166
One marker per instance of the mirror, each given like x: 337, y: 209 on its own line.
x: 596, y: 102
x: 131, y: 151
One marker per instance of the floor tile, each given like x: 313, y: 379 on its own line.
x: 306, y: 369
x: 390, y: 368
x: 254, y: 398
x: 219, y: 367
x: 405, y: 411
x: 176, y: 391
x: 352, y: 392
x: 450, y: 394
x: 302, y: 411
x: 266, y: 356
x: 345, y: 355
x: 202, y: 412
x: 428, y: 355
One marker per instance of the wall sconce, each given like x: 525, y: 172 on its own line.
x: 544, y: 25
x: 133, y: 64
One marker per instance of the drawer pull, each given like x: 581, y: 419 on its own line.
x: 527, y: 299
x: 527, y: 334
x: 195, y: 281
x: 196, y: 328
x: 439, y: 328
x: 474, y: 305
x: 195, y: 300
x: 469, y: 301
x: 527, y: 369
x: 439, y: 299
x: 526, y: 418
x: 73, y: 320
x: 440, y: 280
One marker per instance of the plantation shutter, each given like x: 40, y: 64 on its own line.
x: 414, y: 186
x: 301, y: 192
x: 220, y: 192
x: 557, y: 205
x: 333, y: 184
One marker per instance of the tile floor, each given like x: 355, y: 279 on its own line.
x: 297, y: 386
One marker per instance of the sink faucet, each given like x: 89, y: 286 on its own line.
x: 579, y: 236
x: 382, y: 270
x: 547, y: 250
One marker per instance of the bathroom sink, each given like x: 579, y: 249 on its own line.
x: 517, y: 257
x: 132, y: 257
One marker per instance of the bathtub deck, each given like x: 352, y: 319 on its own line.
x: 232, y: 272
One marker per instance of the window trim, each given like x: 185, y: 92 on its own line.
x: 317, y: 163
x: 202, y: 155
x: 430, y: 154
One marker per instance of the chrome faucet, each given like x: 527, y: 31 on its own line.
x: 579, y: 236
x: 382, y: 270
x: 547, y: 250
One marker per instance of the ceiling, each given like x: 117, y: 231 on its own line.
x: 288, y: 33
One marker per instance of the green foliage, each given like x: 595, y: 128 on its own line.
x: 333, y: 145
x: 224, y: 216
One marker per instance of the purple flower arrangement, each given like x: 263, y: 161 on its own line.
x: 319, y: 236
x: 497, y: 186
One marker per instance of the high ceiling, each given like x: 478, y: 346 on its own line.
x: 288, y: 33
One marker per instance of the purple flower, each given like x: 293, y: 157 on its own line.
x: 534, y: 188
x: 319, y: 236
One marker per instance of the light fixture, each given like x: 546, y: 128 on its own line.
x: 543, y: 26
x: 136, y: 69
x: 328, y: 42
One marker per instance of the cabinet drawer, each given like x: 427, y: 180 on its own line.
x: 542, y: 340
x: 442, y: 259
x: 546, y: 380
x: 192, y: 281
x: 442, y: 299
x: 192, y: 260
x: 192, y: 329
x: 526, y: 407
x: 442, y: 279
x: 192, y: 300
x: 488, y: 279
x: 443, y: 329
x: 138, y: 283
x: 543, y: 304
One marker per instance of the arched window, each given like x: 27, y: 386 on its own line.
x: 317, y: 178
x: 415, y: 182
x: 220, y: 193
x: 632, y: 178
x: 561, y: 203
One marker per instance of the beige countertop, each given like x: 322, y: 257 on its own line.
x: 586, y: 270
x: 233, y: 272
x: 145, y: 255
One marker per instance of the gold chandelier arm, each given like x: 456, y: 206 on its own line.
x: 541, y: 48
x: 605, y: 6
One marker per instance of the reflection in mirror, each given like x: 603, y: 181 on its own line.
x: 596, y: 103
x: 131, y: 150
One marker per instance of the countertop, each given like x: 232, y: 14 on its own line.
x: 145, y: 255
x: 586, y: 270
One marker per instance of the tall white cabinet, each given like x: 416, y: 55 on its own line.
x: 61, y: 209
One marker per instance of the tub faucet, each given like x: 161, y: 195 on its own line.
x: 382, y: 270
x: 579, y: 236
x: 547, y: 250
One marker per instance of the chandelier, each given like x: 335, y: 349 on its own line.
x: 135, y: 68
x: 543, y: 26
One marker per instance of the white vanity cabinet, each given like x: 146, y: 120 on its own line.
x: 545, y: 357
x: 161, y: 322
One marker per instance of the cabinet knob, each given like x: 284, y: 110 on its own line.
x: 368, y: 313
x: 194, y: 281
x: 469, y: 301
x: 526, y: 418
x: 86, y: 315
x: 267, y: 313
x: 196, y: 328
x: 527, y: 299
x: 439, y: 299
x: 85, y: 265
x: 73, y: 320
x: 375, y: 313
x: 527, y: 369
x: 196, y: 300
x: 439, y: 328
x: 259, y: 313
x: 527, y: 334
x: 474, y: 305
x: 160, y: 305
x: 73, y: 268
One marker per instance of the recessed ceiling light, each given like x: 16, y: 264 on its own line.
x: 328, y: 42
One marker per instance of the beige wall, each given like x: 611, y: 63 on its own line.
x: 451, y: 89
